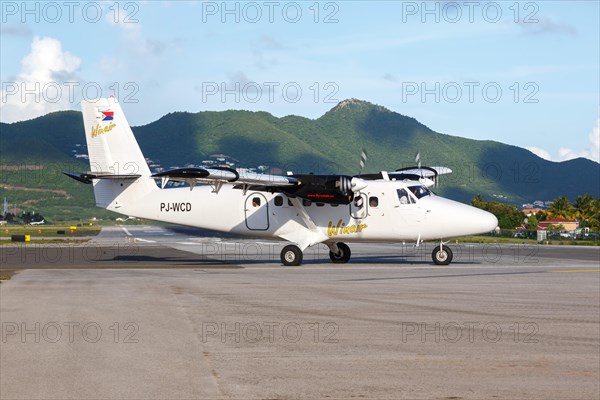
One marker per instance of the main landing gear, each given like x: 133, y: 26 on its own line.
x: 441, y: 255
x: 339, y: 253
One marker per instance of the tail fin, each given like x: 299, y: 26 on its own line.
x: 114, y: 154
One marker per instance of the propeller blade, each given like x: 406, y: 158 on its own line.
x: 363, y: 159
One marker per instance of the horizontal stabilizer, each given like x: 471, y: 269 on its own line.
x: 87, y: 177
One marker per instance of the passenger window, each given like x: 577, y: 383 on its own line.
x: 334, y: 205
x: 320, y: 204
x: 373, y: 201
x: 278, y: 201
x: 255, y: 201
x: 290, y: 203
x: 306, y: 203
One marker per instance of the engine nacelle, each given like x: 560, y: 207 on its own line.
x: 330, y: 189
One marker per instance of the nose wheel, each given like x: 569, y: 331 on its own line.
x: 441, y: 255
x: 291, y: 255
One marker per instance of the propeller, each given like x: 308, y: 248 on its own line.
x: 363, y: 160
x: 423, y: 180
x: 418, y: 161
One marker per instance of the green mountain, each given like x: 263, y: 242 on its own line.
x: 34, y: 152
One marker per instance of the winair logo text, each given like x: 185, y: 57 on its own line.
x: 100, y: 130
x: 343, y: 229
x: 176, y: 207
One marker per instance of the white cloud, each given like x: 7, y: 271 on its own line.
x: 39, y: 88
x: 591, y: 152
x: 538, y: 151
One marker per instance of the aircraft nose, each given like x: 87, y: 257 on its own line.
x: 458, y: 219
x: 477, y: 221
x: 488, y: 221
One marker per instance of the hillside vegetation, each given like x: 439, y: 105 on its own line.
x: 33, y: 153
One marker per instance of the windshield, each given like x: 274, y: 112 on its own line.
x: 419, y: 191
x: 404, y: 197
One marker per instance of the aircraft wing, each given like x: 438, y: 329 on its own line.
x: 219, y: 176
x: 425, y: 172
x: 410, y: 173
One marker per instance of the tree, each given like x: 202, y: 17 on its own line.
x: 509, y: 217
x: 532, y: 223
x: 583, y: 207
x: 478, y: 202
x: 556, y: 228
x: 29, y: 217
x: 562, y: 208
x: 541, y: 216
x: 593, y: 222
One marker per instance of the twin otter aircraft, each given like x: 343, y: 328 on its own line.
x: 303, y: 209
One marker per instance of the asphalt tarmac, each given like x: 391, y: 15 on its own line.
x: 156, y: 313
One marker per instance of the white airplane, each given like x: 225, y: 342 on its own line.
x: 305, y: 210
x: 42, y: 222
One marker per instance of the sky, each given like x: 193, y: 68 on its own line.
x: 522, y: 73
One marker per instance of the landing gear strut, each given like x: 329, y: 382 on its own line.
x: 342, y: 255
x: 291, y: 255
x: 441, y: 255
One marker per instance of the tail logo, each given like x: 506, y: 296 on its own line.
x: 105, y: 122
x: 99, y: 129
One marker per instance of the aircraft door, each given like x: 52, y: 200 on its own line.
x: 256, y: 210
x: 358, y: 207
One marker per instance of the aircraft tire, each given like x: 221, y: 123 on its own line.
x: 344, y: 255
x: 442, y: 256
x: 291, y: 255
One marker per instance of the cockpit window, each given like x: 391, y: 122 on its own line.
x: 404, y: 197
x: 419, y: 191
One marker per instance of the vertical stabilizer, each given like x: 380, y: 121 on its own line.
x: 113, y: 150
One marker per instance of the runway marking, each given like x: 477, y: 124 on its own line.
x: 577, y: 270
x: 126, y: 231
x: 145, y: 240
